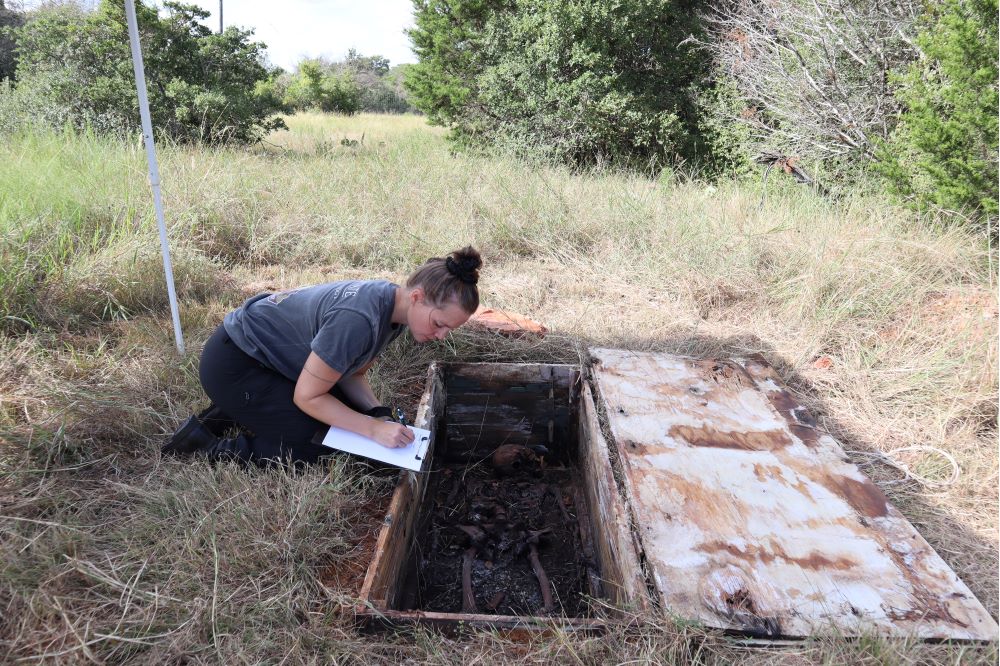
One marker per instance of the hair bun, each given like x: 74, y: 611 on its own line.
x: 464, y: 264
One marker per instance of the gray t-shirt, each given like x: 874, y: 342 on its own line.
x: 346, y: 323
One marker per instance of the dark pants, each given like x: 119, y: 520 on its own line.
x: 260, y: 400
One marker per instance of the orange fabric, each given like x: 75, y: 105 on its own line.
x: 506, y: 323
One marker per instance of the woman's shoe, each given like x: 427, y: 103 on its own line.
x: 191, y: 436
x: 215, y: 420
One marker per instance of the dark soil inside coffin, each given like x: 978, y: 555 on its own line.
x: 507, y: 510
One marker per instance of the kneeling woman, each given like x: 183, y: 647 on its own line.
x: 287, y: 365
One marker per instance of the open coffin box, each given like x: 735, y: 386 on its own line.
x: 709, y: 492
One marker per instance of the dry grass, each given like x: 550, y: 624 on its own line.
x: 109, y: 553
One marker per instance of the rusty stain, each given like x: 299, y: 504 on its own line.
x: 746, y: 441
x: 712, y: 511
x: 730, y: 594
x: 723, y: 372
x: 927, y: 605
x: 741, y: 603
x: 863, y: 496
x: 800, y: 421
x: 765, y: 472
x: 934, y: 610
x: 775, y: 551
x: 751, y: 518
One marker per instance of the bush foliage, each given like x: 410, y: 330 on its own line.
x: 75, y: 67
x: 943, y: 152
x: 311, y: 87
x: 10, y: 18
x: 355, y: 84
x: 906, y: 87
x: 580, y: 82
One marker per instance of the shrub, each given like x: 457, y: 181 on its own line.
x: 313, y: 86
x: 731, y: 145
x: 379, y: 85
x: 810, y: 79
x: 943, y: 153
x: 10, y: 18
x: 578, y: 82
x: 357, y: 83
x: 76, y: 67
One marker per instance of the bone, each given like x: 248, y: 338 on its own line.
x: 509, y: 459
x: 468, y: 598
x: 548, y: 604
x: 556, y: 493
x: 475, y: 533
x: 543, y: 581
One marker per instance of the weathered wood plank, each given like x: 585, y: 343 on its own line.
x: 383, y: 580
x: 515, y: 627
x: 508, y: 373
x: 624, y: 581
x: 755, y: 520
x: 506, y: 403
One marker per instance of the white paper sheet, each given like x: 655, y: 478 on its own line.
x: 409, y: 457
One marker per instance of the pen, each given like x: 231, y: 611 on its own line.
x: 401, y: 417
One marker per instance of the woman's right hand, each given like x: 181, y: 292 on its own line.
x: 392, y: 435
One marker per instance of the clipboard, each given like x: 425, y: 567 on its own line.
x: 409, y: 457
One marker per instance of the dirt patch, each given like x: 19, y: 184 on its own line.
x: 347, y: 575
x: 972, y: 311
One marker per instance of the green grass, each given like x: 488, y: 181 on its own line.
x: 110, y: 553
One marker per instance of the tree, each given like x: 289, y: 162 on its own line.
x: 447, y: 38
x: 357, y: 83
x: 76, y: 67
x: 10, y: 18
x: 813, y: 79
x: 579, y: 82
x: 376, y: 64
x: 944, y: 151
x: 314, y: 86
x: 379, y: 94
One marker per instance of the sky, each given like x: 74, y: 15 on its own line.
x: 293, y: 29
x: 296, y: 28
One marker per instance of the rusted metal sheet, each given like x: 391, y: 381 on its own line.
x: 754, y: 520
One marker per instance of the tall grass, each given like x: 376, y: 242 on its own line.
x: 110, y: 553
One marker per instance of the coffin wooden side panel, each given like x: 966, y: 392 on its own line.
x: 506, y: 403
x: 624, y: 582
x: 383, y: 581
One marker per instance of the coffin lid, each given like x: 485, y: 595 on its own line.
x: 753, y: 519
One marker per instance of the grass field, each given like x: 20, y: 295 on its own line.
x: 883, y: 325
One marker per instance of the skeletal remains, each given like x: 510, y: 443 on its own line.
x: 492, y: 531
x: 485, y: 539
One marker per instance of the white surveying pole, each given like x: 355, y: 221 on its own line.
x: 154, y: 169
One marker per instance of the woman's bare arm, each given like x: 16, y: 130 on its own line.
x: 357, y: 388
x: 312, y: 396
